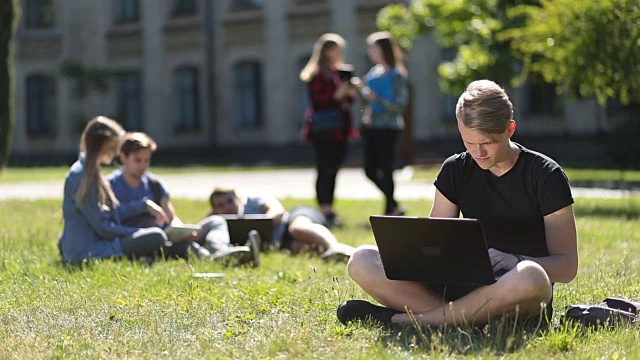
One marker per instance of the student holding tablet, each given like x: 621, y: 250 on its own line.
x: 210, y: 238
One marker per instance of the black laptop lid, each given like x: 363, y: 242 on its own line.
x: 239, y: 228
x: 435, y: 250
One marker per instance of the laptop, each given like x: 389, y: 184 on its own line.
x: 435, y: 250
x: 239, y: 228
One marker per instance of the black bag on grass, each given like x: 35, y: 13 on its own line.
x: 610, y: 313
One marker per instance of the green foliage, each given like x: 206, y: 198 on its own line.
x: 285, y: 308
x: 591, y: 48
x: 8, y: 20
x: 469, y: 27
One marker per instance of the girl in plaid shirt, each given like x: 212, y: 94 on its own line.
x: 328, y: 92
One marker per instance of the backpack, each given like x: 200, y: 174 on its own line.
x: 610, y: 313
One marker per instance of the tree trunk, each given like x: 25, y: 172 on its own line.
x: 8, y: 15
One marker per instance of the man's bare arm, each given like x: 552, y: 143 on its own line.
x: 443, y: 208
x: 560, y: 230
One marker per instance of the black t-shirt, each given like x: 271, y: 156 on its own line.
x: 510, y: 207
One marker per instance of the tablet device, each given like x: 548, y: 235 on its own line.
x: 178, y: 233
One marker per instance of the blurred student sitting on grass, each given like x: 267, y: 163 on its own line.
x: 93, y: 227
x: 303, y: 227
x: 133, y: 183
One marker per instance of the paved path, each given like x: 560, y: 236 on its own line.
x: 296, y: 183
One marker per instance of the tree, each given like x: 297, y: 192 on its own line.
x: 469, y: 27
x: 590, y: 48
x: 8, y: 16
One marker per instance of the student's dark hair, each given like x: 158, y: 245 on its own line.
x: 485, y: 107
x: 99, y: 135
x: 391, y: 52
x: 319, y: 61
x: 136, y: 141
x: 220, y: 191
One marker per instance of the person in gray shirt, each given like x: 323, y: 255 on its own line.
x: 301, y: 228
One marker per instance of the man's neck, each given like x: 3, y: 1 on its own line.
x: 132, y: 181
x: 504, y: 166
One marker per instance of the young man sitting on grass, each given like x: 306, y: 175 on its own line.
x: 524, y: 202
x: 133, y: 182
x: 302, y: 227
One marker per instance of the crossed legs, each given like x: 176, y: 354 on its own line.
x: 521, y: 291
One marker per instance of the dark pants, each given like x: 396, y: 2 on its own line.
x: 330, y: 154
x: 151, y: 241
x: 379, y: 155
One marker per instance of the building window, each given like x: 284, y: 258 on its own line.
x: 185, y: 100
x: 184, y: 8
x: 247, y: 94
x: 309, y: 1
x: 541, y: 99
x: 38, y: 14
x: 241, y: 5
x: 41, y: 105
x: 303, y: 94
x: 129, y: 92
x: 127, y: 11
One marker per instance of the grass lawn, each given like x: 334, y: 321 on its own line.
x: 284, y: 309
x: 574, y: 175
x: 422, y: 173
x: 44, y: 173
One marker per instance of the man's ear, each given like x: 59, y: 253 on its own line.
x: 511, y: 128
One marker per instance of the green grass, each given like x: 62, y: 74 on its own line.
x: 284, y: 309
x: 429, y: 173
x: 422, y: 173
x: 17, y: 174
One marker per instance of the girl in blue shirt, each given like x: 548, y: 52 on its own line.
x: 92, y: 215
x: 385, y: 90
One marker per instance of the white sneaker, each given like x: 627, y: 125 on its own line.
x: 232, y: 255
x: 200, y: 251
x: 338, y: 253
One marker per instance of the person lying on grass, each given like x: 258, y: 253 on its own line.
x: 302, y: 227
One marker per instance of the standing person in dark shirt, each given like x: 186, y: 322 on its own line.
x: 328, y: 120
x: 524, y: 202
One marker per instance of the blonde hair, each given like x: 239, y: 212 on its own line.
x: 485, y: 107
x: 136, y: 141
x: 99, y: 133
x: 319, y: 62
x: 391, y: 52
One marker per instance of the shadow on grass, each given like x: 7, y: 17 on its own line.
x: 503, y: 338
x: 607, y: 210
x: 89, y: 264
